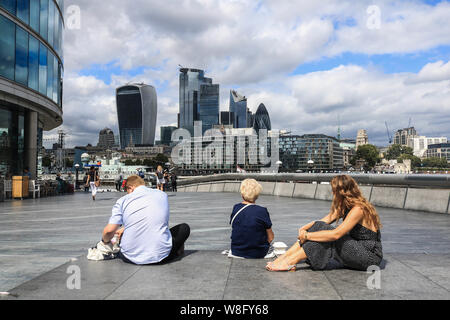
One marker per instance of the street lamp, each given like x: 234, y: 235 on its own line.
x: 77, y: 167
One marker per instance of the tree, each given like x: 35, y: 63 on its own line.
x: 415, y: 161
x: 435, y: 163
x: 161, y: 158
x: 368, y: 153
x: 396, y: 150
x: 46, y: 162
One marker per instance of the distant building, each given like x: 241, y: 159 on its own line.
x: 238, y: 106
x: 362, y: 138
x: 106, y: 139
x: 404, y: 136
x: 199, y: 100
x: 310, y: 152
x: 166, y: 134
x: 261, y: 119
x: 420, y: 144
x: 440, y: 150
x: 136, y: 113
x: 227, y: 118
x: 250, y: 118
x: 145, y: 150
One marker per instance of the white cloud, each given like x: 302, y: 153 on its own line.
x: 254, y: 47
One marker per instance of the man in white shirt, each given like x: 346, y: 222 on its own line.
x: 145, y: 237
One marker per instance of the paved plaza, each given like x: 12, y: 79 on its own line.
x: 42, y: 239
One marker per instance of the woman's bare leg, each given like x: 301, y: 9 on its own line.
x: 293, y: 256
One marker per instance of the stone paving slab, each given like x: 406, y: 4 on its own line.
x: 208, y: 275
x: 39, y: 237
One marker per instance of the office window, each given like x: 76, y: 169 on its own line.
x: 33, y: 64
x: 43, y: 28
x: 23, y: 10
x: 51, y: 22
x: 21, y: 56
x: 42, y: 69
x: 56, y: 32
x: 34, y: 15
x: 7, y: 48
x: 49, y: 75
x: 9, y: 5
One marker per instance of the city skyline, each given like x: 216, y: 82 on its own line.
x: 307, y: 63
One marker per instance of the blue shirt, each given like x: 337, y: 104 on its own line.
x: 145, y: 215
x: 249, y: 235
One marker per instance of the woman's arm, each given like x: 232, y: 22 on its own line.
x: 329, y: 218
x: 354, y: 217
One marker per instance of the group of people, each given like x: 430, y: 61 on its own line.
x: 140, y: 221
x: 165, y: 180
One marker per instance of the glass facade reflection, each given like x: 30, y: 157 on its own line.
x: 199, y: 100
x: 324, y: 151
x: 31, y: 57
x: 35, y: 62
x: 238, y: 105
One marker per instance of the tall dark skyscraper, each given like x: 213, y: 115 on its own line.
x: 262, y: 119
x: 238, y: 105
x: 199, y: 100
x: 136, y: 112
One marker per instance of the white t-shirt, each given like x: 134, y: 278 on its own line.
x: 145, y: 215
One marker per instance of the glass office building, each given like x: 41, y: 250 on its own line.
x: 238, y: 105
x: 199, y: 100
x: 324, y: 151
x: 261, y: 119
x: 31, y: 72
x: 136, y: 114
x: 166, y: 135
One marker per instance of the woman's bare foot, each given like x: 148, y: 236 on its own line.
x: 280, y: 265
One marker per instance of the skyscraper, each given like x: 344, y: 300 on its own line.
x: 238, y: 105
x: 136, y: 113
x: 199, y: 100
x: 262, y: 119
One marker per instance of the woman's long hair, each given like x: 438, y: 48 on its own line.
x: 346, y: 195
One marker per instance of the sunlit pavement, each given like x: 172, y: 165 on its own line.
x: 43, y: 244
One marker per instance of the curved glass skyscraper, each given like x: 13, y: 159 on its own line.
x: 262, y: 119
x: 31, y: 70
x: 136, y: 113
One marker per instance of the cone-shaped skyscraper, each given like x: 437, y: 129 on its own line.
x: 262, y: 119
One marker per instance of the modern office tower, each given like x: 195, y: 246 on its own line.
x: 166, y: 135
x: 362, y: 138
x: 199, y: 100
x: 106, y: 139
x: 420, y: 144
x: 250, y: 118
x: 261, y: 119
x: 227, y: 118
x: 238, y: 105
x: 31, y: 68
x: 136, y: 113
x: 403, y: 136
x: 439, y: 150
x: 316, y: 152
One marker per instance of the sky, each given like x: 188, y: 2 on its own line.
x: 316, y: 65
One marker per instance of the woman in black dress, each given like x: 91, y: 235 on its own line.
x: 355, y: 243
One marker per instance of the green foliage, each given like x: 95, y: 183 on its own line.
x: 415, y: 161
x: 46, y: 162
x: 396, y: 150
x: 439, y: 163
x: 367, y: 152
x: 162, y: 159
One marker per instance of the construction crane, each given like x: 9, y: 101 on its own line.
x: 388, y: 133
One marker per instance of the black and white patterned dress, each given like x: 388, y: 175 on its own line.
x: 359, y: 249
